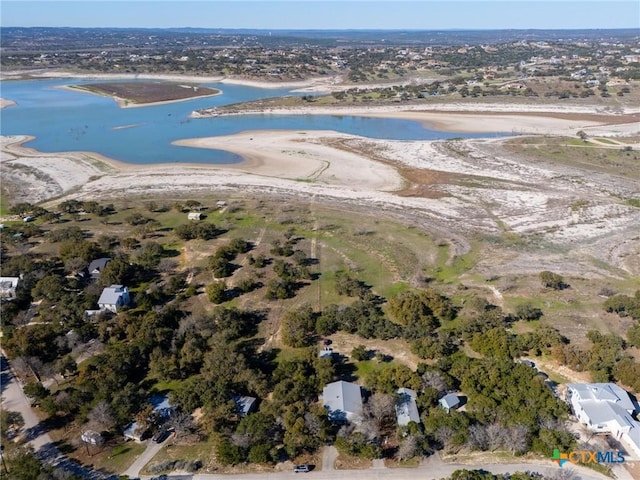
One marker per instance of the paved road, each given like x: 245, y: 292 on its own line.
x: 421, y: 473
x: 14, y: 399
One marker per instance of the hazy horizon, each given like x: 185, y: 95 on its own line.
x: 326, y: 15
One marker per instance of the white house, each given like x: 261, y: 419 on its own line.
x: 343, y: 400
x: 449, y: 401
x: 194, y: 216
x: 606, y: 408
x: 8, y: 287
x: 114, y: 297
x: 406, y: 408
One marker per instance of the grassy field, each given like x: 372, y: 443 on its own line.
x: 384, y: 254
x: 573, y: 152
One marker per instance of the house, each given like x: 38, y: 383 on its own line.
x: 91, y: 437
x: 8, y: 287
x: 161, y: 407
x: 114, y: 297
x: 245, y: 405
x: 132, y: 432
x: 326, y: 352
x: 97, y: 266
x: 606, y: 408
x: 449, y: 401
x: 221, y: 204
x: 194, y: 216
x: 343, y: 400
x: 406, y: 408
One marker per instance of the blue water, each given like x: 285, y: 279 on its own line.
x: 63, y: 120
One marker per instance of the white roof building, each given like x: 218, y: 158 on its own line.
x: 343, y: 400
x: 114, y: 297
x: 606, y: 408
x: 8, y: 287
x: 406, y: 408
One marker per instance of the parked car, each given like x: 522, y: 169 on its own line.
x: 301, y: 468
x: 161, y: 436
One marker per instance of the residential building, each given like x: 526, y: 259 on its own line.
x: 97, y: 266
x: 343, y: 400
x: 449, y: 401
x: 114, y: 297
x: 606, y: 408
x: 245, y: 405
x: 8, y: 287
x: 194, y: 216
x: 406, y: 408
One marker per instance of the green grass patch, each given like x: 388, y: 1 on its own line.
x: 605, y: 140
x: 121, y: 457
x: 367, y: 367
x: 166, y: 386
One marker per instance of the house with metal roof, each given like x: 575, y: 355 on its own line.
x: 97, y: 266
x: 406, y: 408
x: 245, y: 405
x: 449, y: 401
x: 343, y: 400
x: 114, y: 297
x: 8, y: 287
x: 606, y: 408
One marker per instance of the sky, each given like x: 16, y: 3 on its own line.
x: 324, y: 15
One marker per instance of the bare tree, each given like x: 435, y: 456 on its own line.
x: 444, y: 435
x: 74, y: 265
x: 241, y: 440
x: 380, y: 407
x: 182, y: 424
x: 410, y: 447
x: 478, y: 437
x: 517, y: 438
x: 434, y: 380
x: 496, y: 436
x: 101, y: 417
x: 565, y: 474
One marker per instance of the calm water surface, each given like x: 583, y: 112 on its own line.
x: 63, y: 120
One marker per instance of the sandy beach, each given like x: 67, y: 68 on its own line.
x: 4, y: 103
x: 482, y: 190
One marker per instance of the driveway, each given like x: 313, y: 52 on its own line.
x: 152, y: 449
x: 329, y: 457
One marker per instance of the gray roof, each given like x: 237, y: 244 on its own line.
x: 602, y: 392
x: 97, y: 265
x: 342, y: 397
x: 244, y: 404
x: 406, y: 408
x: 450, y: 400
x: 110, y: 295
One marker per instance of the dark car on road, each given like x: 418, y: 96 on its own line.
x: 161, y: 436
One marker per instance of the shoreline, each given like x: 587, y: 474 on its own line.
x: 320, y: 82
x: 485, y: 118
x: 4, y: 103
x: 128, y: 103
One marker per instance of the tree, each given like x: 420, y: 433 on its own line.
x: 552, y: 280
x: 217, y: 292
x: 360, y: 353
x: 101, y: 417
x: 298, y: 327
x: 582, y: 135
x: 528, y: 311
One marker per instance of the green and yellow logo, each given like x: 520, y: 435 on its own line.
x: 584, y: 457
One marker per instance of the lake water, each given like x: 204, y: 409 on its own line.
x: 63, y: 120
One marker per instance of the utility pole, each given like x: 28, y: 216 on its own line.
x: 4, y: 464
